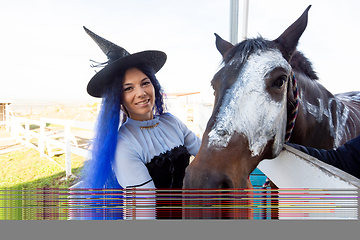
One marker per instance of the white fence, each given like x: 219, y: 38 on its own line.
x: 186, y: 107
x: 295, y: 169
x: 65, y: 140
x: 292, y: 169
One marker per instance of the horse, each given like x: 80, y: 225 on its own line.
x: 267, y: 93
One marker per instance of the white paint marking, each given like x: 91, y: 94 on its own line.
x: 248, y: 109
x: 338, y: 132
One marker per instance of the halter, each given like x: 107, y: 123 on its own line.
x: 291, y: 121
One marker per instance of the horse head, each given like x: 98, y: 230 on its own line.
x: 253, y: 95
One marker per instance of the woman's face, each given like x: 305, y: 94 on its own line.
x: 139, y: 95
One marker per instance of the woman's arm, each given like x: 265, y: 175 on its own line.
x: 346, y: 157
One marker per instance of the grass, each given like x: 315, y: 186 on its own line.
x: 25, y: 169
x: 34, y: 187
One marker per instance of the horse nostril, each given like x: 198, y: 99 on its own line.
x: 226, y: 183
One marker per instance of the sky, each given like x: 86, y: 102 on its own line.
x: 45, y: 53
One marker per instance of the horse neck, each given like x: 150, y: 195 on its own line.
x: 314, y: 126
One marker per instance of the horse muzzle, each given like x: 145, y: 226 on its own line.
x: 196, y: 178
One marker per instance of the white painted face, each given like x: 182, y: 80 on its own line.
x: 249, y: 109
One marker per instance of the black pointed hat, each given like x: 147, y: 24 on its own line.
x: 119, y: 59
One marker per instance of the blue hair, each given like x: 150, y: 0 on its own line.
x: 98, y: 171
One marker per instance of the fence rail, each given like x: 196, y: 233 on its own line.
x: 295, y: 169
x: 22, y: 130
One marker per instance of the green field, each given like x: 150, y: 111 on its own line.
x: 25, y: 169
x: 34, y: 187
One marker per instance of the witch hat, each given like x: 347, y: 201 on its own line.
x: 118, y: 60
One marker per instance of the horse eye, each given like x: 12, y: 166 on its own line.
x: 279, y: 82
x: 222, y: 132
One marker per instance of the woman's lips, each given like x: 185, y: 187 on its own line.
x: 145, y: 102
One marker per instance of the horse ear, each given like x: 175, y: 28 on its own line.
x: 288, y: 40
x: 222, y: 45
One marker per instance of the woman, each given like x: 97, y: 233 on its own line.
x: 152, y: 148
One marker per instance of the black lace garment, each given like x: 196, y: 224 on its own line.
x: 168, y: 169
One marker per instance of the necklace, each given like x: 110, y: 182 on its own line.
x: 149, y: 127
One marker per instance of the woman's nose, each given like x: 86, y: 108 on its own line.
x: 140, y: 92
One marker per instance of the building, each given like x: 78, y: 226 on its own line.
x: 4, y: 110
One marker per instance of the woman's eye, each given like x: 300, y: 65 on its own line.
x: 127, y: 89
x: 146, y: 83
x: 279, y: 82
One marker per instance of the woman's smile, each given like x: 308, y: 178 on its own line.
x: 143, y: 103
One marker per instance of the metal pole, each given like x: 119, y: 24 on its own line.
x: 245, y: 19
x: 234, y: 21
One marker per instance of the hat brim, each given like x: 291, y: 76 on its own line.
x: 100, y: 81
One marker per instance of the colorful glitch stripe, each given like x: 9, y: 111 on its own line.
x: 153, y: 204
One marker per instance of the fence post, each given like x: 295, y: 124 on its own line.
x: 15, y: 133
x: 27, y: 133
x: 7, y: 112
x: 67, y: 150
x: 11, y: 126
x: 41, y: 138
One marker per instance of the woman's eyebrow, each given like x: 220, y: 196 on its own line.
x: 130, y: 84
x: 127, y: 84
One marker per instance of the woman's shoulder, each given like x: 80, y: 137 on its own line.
x: 166, y: 115
x: 123, y: 129
x: 125, y: 134
x: 169, y: 117
x: 127, y: 144
x: 172, y: 121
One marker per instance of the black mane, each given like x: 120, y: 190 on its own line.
x: 300, y: 63
x: 247, y: 47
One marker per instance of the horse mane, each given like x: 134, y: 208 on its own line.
x: 247, y: 47
x: 300, y: 63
